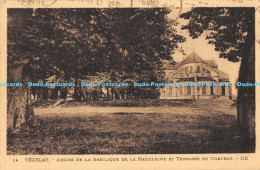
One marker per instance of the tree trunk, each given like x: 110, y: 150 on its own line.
x: 108, y: 94
x: 54, y: 93
x: 63, y: 93
x: 77, y: 92
x: 44, y: 93
x: 246, y: 96
x: 19, y: 110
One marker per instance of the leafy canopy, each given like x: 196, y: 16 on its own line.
x: 231, y: 30
x: 124, y: 44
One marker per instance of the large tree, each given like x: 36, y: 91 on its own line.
x: 72, y: 44
x: 47, y: 42
x: 232, y: 31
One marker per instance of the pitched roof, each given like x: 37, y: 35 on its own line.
x: 223, y: 76
x: 211, y: 63
x: 192, y: 58
x: 170, y: 66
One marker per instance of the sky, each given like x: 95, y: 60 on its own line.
x: 205, y: 51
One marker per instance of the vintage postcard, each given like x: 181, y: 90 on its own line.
x: 129, y: 84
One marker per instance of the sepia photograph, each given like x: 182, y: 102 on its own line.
x: 115, y: 81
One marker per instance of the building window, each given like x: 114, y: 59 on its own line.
x: 188, y: 90
x: 223, y: 90
x: 211, y: 90
x: 203, y: 90
x: 191, y: 69
x: 198, y: 69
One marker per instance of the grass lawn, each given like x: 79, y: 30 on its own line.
x: 144, y: 127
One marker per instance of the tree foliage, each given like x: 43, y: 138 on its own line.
x: 71, y: 44
x: 229, y: 29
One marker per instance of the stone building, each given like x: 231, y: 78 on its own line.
x: 194, y: 70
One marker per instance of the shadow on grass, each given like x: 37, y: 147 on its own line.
x: 123, y: 113
x: 75, y: 136
x: 131, y: 103
x: 44, y: 103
